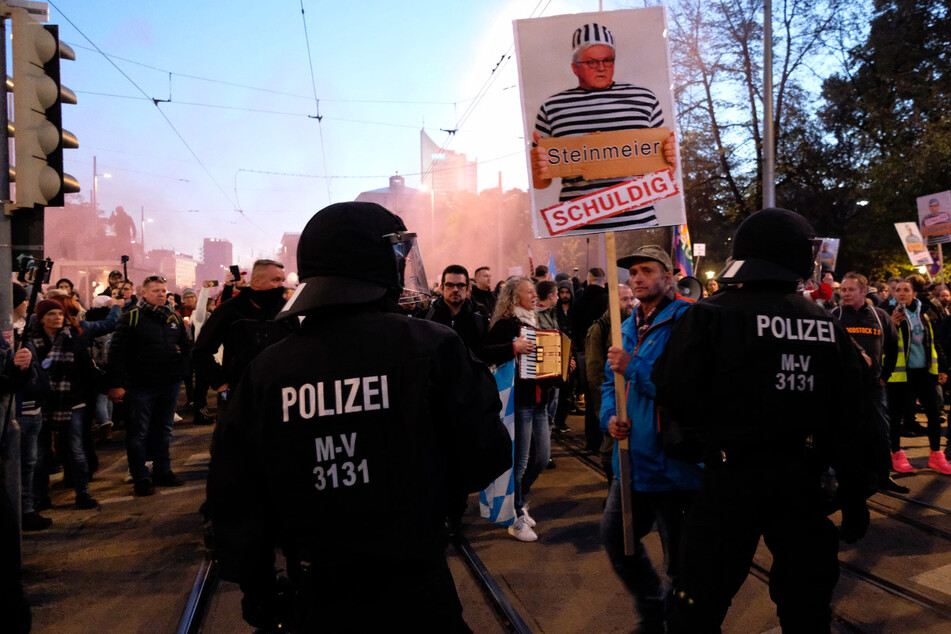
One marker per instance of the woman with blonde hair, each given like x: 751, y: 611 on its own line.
x: 515, y: 310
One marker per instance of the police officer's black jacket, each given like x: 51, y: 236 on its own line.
x: 245, y: 327
x: 760, y: 369
x: 342, y: 442
x: 148, y: 349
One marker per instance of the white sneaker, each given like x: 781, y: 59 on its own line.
x: 528, y: 518
x: 521, y: 531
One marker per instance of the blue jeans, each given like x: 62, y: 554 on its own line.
x: 76, y: 462
x: 668, y: 509
x: 149, y: 429
x: 553, y: 396
x: 30, y: 425
x: 103, y: 409
x: 532, y: 448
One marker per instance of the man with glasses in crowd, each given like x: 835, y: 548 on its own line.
x: 597, y: 104
x: 127, y: 296
x: 146, y: 365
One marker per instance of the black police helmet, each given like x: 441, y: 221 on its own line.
x: 344, y: 258
x: 772, y: 244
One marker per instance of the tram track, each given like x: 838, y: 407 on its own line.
x: 576, y: 449
x: 206, y: 583
x: 916, y: 502
x: 908, y: 519
x: 507, y: 613
x: 574, y: 446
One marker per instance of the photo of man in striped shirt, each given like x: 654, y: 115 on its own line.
x: 597, y: 104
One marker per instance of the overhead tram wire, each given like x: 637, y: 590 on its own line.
x: 257, y: 88
x: 155, y: 103
x: 313, y: 82
x: 255, y: 110
x: 493, y: 75
x: 344, y: 176
x: 167, y: 120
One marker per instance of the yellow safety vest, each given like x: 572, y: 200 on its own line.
x: 900, y: 373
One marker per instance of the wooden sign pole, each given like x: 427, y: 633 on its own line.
x: 620, y: 395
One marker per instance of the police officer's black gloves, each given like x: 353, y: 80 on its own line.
x: 855, y: 520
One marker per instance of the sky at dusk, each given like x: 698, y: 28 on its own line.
x: 239, y: 153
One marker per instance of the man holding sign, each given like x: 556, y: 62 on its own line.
x: 662, y: 487
x: 600, y: 105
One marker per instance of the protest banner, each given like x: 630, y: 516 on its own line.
x: 934, y: 217
x: 914, y: 245
x: 598, y: 111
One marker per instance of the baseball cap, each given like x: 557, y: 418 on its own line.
x: 647, y: 252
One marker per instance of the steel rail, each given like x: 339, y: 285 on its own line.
x: 500, y: 601
x: 205, y: 584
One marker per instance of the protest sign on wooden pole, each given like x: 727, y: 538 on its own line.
x: 597, y: 165
x: 620, y: 395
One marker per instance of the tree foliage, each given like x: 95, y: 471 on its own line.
x: 889, y: 116
x: 717, y: 53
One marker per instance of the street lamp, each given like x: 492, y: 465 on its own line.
x: 95, y: 185
x: 144, y: 220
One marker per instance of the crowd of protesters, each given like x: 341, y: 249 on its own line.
x: 914, y: 322
x: 80, y: 374
x: 73, y: 391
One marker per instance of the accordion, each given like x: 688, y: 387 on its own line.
x: 550, y: 358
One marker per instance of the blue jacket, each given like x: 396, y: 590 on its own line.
x: 651, y: 469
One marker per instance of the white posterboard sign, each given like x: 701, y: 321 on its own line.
x: 934, y: 217
x: 914, y: 245
x: 829, y: 253
x: 598, y: 122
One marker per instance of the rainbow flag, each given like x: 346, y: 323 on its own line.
x: 683, y: 250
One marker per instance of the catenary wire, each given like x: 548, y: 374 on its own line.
x: 313, y: 82
x: 139, y: 88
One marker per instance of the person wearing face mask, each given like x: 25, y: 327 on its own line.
x: 244, y: 325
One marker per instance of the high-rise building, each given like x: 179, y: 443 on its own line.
x: 217, y: 255
x: 445, y: 170
x: 287, y: 254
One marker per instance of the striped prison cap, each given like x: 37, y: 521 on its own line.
x: 590, y: 35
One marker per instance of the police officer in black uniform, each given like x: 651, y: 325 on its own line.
x: 338, y: 448
x: 772, y: 379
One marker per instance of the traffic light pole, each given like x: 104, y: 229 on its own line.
x: 6, y: 253
x: 9, y: 429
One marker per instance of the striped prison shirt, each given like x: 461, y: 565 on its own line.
x: 576, y: 111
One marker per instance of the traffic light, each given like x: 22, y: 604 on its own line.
x: 38, y: 95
